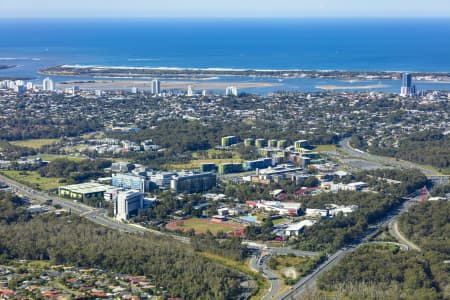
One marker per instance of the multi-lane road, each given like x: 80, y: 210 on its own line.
x: 258, y: 263
x: 386, y: 161
x: 308, y: 282
x: 97, y: 216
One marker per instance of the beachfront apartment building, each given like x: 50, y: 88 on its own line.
x: 156, y: 87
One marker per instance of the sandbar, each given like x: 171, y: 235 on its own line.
x: 351, y: 87
x: 165, y: 85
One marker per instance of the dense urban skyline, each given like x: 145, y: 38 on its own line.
x: 231, y: 8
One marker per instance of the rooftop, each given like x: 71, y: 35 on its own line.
x: 86, y: 188
x: 300, y: 225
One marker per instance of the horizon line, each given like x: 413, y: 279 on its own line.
x: 350, y: 17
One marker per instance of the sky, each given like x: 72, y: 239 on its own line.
x: 222, y: 8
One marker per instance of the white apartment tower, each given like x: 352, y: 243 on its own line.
x: 231, y: 91
x: 48, y: 85
x: 407, y: 89
x: 190, y: 91
x: 156, y: 87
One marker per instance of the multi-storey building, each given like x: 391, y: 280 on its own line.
x: 128, y: 203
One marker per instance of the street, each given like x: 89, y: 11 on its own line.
x: 256, y: 263
x: 345, y: 147
x: 309, y: 281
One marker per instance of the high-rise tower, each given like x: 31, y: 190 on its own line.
x: 48, y: 85
x: 407, y: 89
x: 156, y: 86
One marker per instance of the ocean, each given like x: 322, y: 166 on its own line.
x: 308, y: 44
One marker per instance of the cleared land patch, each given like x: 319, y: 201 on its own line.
x: 203, y: 225
x: 35, y: 143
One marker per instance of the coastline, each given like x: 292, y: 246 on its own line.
x: 172, y: 73
x: 165, y: 85
x: 351, y: 87
x: 5, y: 67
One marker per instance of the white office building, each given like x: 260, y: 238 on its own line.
x: 162, y: 179
x: 111, y: 194
x: 294, y: 229
x: 128, y: 204
x: 48, y: 85
x: 130, y: 181
x: 156, y: 87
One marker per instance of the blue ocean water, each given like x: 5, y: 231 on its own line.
x: 311, y: 44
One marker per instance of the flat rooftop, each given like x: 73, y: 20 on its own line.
x: 86, y: 188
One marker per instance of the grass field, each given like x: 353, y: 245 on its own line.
x: 32, y: 179
x: 325, y: 148
x: 195, y: 164
x: 280, y: 221
x: 50, y: 157
x: 35, y: 143
x: 208, y: 156
x: 203, y: 225
x: 284, y: 261
x: 39, y: 264
x: 95, y: 135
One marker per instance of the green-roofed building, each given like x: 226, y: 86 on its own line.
x: 83, y: 191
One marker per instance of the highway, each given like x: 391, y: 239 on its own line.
x: 345, y: 147
x: 98, y: 216
x: 308, y: 282
x: 94, y: 215
x: 258, y: 262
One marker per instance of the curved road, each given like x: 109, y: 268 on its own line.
x: 299, y: 289
x: 394, y: 231
x: 258, y: 263
x: 345, y: 147
x: 98, y: 216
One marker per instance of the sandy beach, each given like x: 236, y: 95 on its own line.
x: 351, y: 87
x: 165, y: 85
